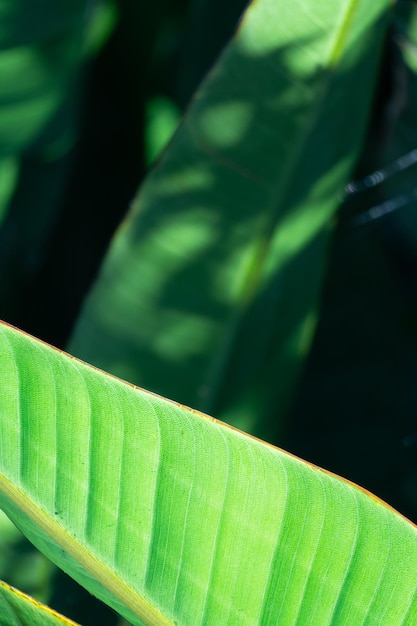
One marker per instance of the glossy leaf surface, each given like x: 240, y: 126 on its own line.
x: 209, y: 291
x: 173, y: 517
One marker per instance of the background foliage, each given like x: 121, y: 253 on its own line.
x: 130, y: 70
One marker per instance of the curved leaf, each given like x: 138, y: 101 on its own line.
x: 18, y: 609
x: 174, y: 517
x: 210, y: 288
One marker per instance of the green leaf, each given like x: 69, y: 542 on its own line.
x: 162, y: 118
x: 43, y: 43
x: 18, y: 609
x: 41, y: 53
x: 174, y: 517
x: 210, y: 288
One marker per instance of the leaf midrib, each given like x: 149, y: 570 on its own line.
x: 129, y: 597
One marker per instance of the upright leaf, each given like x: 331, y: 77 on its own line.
x: 209, y: 291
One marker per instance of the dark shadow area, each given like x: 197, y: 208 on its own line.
x: 108, y: 165
x: 210, y: 26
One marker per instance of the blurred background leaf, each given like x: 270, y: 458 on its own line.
x: 41, y: 53
x: 208, y: 294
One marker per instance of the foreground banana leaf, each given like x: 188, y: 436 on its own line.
x: 18, y: 609
x: 209, y: 291
x: 173, y: 517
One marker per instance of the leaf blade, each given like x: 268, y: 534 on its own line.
x: 210, y: 289
x: 200, y: 522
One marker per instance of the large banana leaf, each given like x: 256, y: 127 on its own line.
x: 173, y: 517
x: 209, y: 291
